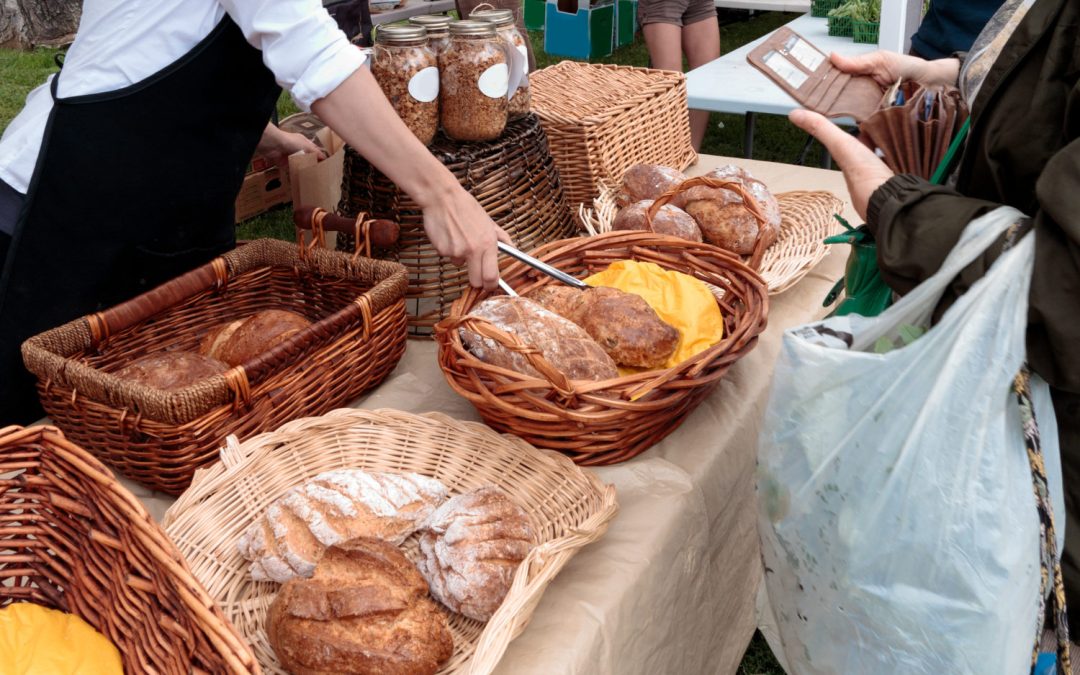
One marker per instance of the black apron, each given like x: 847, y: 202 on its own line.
x: 132, y: 188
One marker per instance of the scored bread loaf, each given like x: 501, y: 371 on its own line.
x: 725, y: 221
x: 471, y: 548
x: 337, y: 506
x: 171, y: 370
x: 669, y: 220
x: 365, y: 611
x: 239, y: 341
x: 565, y: 345
x: 648, y: 181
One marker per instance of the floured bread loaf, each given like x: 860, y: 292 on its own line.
x: 724, y: 220
x: 335, y: 507
x: 239, y: 341
x: 648, y: 181
x: 471, y: 548
x: 669, y: 220
x: 171, y: 370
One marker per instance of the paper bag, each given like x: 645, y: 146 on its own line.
x: 316, y: 183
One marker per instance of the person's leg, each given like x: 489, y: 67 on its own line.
x: 701, y: 43
x: 664, y: 41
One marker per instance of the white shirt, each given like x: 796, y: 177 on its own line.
x: 121, y: 42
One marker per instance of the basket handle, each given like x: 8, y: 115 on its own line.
x: 369, y: 232
x: 748, y: 201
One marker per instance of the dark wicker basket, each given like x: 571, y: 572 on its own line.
x: 514, y: 178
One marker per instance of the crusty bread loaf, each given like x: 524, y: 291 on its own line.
x: 648, y: 181
x: 565, y: 345
x: 722, y: 217
x: 471, y: 548
x: 337, y: 506
x: 171, y: 370
x: 669, y: 220
x: 238, y: 341
x: 365, y: 611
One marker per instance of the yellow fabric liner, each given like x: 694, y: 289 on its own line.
x: 681, y: 300
x: 35, y: 640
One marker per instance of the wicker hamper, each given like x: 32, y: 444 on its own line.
x: 513, y: 178
x: 612, y: 420
x: 602, y: 119
x: 160, y: 438
x: 72, y: 538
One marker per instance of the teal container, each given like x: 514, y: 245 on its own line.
x: 534, y: 14
x: 587, y: 33
x: 625, y: 21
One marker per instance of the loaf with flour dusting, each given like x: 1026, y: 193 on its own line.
x: 335, y: 507
x: 471, y: 548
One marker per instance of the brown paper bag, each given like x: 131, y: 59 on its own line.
x: 316, y: 183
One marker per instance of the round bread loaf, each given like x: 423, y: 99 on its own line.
x: 471, y: 548
x: 648, y: 181
x: 724, y: 220
x: 171, y: 370
x: 365, y: 611
x: 669, y: 220
x: 239, y: 341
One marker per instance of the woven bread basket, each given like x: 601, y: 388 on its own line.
x: 569, y: 507
x: 806, y: 219
x: 159, y: 438
x: 72, y: 538
x: 611, y: 420
x: 513, y: 177
x: 602, y: 119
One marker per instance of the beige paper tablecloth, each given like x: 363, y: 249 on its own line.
x: 671, y: 587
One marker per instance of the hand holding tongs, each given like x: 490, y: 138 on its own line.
x: 540, y: 266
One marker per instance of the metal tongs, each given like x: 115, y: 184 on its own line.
x: 540, y: 266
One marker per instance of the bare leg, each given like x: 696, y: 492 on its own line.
x: 701, y: 42
x: 664, y: 41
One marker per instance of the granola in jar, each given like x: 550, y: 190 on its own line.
x: 513, y: 40
x: 407, y: 72
x: 438, y: 30
x: 473, y: 82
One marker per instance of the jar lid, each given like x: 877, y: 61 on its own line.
x: 475, y: 28
x: 499, y: 17
x: 400, y: 34
x: 432, y: 22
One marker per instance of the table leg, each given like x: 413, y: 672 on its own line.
x: 748, y: 135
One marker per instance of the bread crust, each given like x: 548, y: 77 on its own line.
x: 171, y: 370
x: 648, y: 181
x: 725, y: 221
x: 239, y: 341
x: 670, y: 220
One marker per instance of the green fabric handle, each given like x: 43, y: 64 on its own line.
x: 943, y: 169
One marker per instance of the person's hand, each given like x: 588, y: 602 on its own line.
x: 863, y: 171
x: 276, y: 145
x: 888, y: 67
x: 460, y: 229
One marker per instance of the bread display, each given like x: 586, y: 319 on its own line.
x: 648, y: 181
x: 171, y: 370
x: 564, y: 344
x: 335, y: 507
x: 241, y: 340
x: 471, y: 548
x: 365, y: 611
x: 724, y: 219
x: 669, y: 220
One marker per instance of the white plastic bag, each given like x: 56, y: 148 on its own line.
x: 897, y: 517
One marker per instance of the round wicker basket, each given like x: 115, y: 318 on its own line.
x: 570, y: 508
x: 612, y: 420
x: 514, y: 178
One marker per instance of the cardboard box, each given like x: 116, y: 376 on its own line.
x: 580, y: 29
x: 261, y: 191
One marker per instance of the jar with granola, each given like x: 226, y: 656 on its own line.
x: 473, y: 81
x: 407, y: 71
x: 514, y: 41
x: 438, y: 30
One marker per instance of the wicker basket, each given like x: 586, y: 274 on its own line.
x: 603, y: 119
x: 159, y: 438
x: 514, y: 178
x: 806, y: 219
x: 570, y: 508
x: 612, y: 420
x: 72, y: 538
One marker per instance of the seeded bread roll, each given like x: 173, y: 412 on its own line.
x: 171, y: 370
x: 724, y: 220
x: 238, y: 341
x: 471, y: 548
x: 648, y: 181
x: 365, y: 611
x: 669, y: 220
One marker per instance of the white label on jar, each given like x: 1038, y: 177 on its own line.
x: 524, y: 59
x: 424, y: 86
x: 495, y: 81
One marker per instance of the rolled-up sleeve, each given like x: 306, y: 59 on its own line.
x: 300, y: 44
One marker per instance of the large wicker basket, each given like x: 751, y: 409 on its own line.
x: 570, y: 508
x: 602, y: 119
x: 159, y: 438
x: 72, y: 538
x: 513, y: 178
x: 612, y: 420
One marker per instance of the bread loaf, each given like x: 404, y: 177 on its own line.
x: 471, y: 548
x: 724, y: 220
x: 239, y: 341
x: 648, y: 181
x: 365, y: 611
x: 565, y: 345
x: 171, y: 370
x: 669, y: 220
x: 337, y: 506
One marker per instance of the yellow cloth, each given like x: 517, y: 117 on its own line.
x: 681, y: 300
x: 39, y: 641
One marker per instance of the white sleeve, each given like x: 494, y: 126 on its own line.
x: 300, y: 44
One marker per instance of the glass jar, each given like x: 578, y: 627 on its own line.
x: 473, y: 81
x: 438, y: 30
x: 407, y: 71
x: 513, y: 40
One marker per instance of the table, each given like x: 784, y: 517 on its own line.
x: 765, y: 5
x: 671, y: 586
x: 412, y: 8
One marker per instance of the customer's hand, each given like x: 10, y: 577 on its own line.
x: 888, y: 67
x: 863, y: 171
x: 459, y: 228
